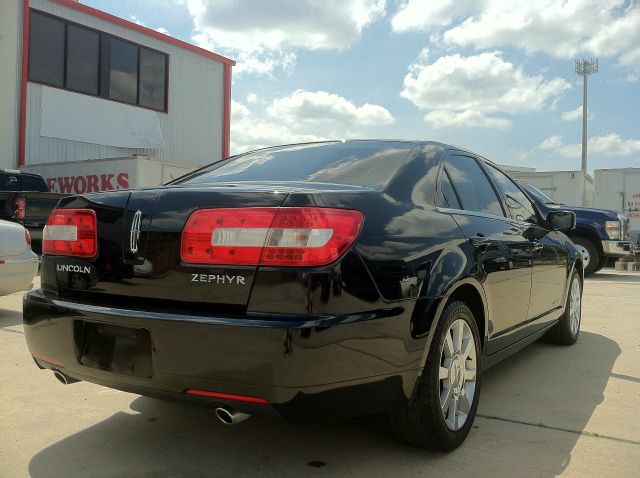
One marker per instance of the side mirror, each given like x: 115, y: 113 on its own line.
x: 561, y: 220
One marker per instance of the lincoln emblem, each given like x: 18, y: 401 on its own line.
x: 134, y: 236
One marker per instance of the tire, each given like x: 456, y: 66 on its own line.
x: 602, y: 262
x: 594, y: 255
x: 422, y: 423
x: 567, y: 330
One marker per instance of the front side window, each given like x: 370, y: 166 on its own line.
x: 46, y: 50
x: 517, y: 203
x: 472, y: 186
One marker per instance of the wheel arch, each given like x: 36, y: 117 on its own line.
x: 470, y: 291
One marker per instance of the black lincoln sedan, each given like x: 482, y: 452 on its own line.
x: 308, y: 282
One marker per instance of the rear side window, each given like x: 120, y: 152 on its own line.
x: 517, y: 203
x: 449, y: 197
x: 10, y: 182
x: 472, y: 186
x: 34, y: 183
x: 354, y: 163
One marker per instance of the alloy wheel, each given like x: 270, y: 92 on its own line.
x: 575, y: 306
x: 457, y: 375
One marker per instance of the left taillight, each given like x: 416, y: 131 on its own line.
x: 285, y: 236
x: 71, y: 232
x: 27, y: 237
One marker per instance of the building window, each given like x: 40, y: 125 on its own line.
x: 46, y: 50
x: 83, y: 59
x: 152, y: 79
x: 70, y: 56
x: 123, y: 71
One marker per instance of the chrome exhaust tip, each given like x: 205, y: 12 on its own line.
x: 230, y: 417
x: 64, y: 379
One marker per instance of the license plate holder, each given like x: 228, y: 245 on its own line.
x: 114, y: 348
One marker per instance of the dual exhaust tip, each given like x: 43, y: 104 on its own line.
x: 226, y: 415
x: 229, y: 416
x: 64, y: 379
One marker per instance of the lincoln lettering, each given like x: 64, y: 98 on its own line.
x: 217, y: 278
x: 73, y: 268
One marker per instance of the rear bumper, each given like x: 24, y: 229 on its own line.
x: 616, y: 248
x: 306, y: 373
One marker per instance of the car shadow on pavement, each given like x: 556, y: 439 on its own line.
x: 534, y: 407
x: 10, y: 318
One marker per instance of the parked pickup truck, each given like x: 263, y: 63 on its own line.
x: 603, y: 233
x: 25, y: 199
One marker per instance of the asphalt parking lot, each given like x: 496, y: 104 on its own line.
x: 547, y: 411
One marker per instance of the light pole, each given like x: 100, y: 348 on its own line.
x: 585, y: 68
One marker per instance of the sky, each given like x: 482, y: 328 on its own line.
x: 495, y: 77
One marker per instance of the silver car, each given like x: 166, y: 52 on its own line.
x: 18, y: 263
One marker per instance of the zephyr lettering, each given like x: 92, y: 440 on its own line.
x: 73, y: 268
x: 218, y: 279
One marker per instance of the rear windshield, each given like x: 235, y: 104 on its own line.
x: 359, y: 163
x: 10, y: 182
x: 33, y: 183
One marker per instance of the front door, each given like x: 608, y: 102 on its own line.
x: 503, y: 253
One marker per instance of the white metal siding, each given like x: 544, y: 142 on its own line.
x: 10, y: 73
x: 192, y: 128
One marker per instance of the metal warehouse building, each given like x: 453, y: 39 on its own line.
x: 95, y: 102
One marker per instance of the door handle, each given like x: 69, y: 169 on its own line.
x: 537, y: 246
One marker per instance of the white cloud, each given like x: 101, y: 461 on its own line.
x: 301, y: 116
x: 421, y: 14
x: 467, y: 118
x: 238, y: 110
x: 251, y: 133
x: 321, y: 106
x: 263, y: 33
x: 574, y: 114
x: 606, y: 145
x: 552, y: 142
x: 162, y: 30
x: 456, y: 88
x: 561, y: 28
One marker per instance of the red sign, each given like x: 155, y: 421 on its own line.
x: 89, y: 184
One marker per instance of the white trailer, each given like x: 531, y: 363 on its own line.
x: 619, y: 189
x: 79, y: 177
x: 574, y: 188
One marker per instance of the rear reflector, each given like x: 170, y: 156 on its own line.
x: 71, y: 232
x: 225, y: 396
x: 288, y: 236
x: 19, y: 207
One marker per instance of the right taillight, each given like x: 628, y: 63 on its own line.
x: 71, y: 232
x: 287, y: 236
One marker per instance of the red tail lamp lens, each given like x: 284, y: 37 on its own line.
x: 71, y: 232
x: 288, y: 236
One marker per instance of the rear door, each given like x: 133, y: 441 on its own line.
x: 501, y: 250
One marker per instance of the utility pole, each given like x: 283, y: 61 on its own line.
x: 585, y: 68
